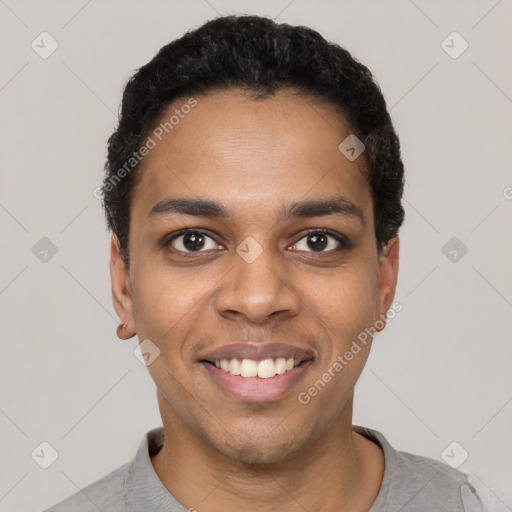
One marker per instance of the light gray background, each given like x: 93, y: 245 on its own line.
x: 440, y: 372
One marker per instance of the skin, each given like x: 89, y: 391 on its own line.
x: 223, y: 454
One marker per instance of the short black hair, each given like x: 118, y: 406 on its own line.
x: 261, y: 57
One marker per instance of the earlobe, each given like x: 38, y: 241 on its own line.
x: 121, y: 293
x: 388, y: 277
x: 124, y: 333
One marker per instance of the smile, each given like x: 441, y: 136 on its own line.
x: 264, y: 369
x: 249, y: 380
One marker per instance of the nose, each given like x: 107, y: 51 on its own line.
x: 257, y: 290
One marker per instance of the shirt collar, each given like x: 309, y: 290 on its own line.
x: 145, y: 491
x: 390, y: 463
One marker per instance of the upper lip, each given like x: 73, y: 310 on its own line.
x: 257, y: 352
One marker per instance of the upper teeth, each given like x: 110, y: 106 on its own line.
x: 263, y: 369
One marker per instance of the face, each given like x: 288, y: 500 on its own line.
x: 276, y: 276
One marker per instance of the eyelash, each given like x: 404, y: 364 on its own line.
x: 342, y: 240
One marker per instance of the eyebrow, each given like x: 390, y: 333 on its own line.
x: 337, y: 205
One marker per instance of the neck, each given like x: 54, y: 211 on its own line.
x: 341, y: 471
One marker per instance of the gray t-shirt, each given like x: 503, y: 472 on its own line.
x: 411, y: 483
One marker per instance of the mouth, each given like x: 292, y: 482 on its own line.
x: 264, y: 369
x: 258, y: 378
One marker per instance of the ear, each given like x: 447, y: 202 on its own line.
x: 388, y: 276
x: 121, y: 291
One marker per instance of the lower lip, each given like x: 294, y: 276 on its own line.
x: 255, y: 389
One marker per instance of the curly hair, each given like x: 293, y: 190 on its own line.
x: 261, y: 57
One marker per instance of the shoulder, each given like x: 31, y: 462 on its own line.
x: 433, y: 484
x: 131, y: 484
x: 415, y: 483
x: 107, y: 493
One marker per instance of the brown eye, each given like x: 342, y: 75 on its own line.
x: 192, y: 241
x: 319, y: 241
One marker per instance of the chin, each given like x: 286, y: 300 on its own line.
x: 263, y: 451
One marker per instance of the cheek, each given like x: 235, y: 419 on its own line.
x: 166, y: 302
x: 344, y: 307
x: 167, y: 308
x: 344, y: 301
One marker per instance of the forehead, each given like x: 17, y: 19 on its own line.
x: 250, y: 154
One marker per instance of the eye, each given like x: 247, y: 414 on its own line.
x: 191, y: 240
x: 318, y: 241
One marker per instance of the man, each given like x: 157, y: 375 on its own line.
x: 253, y: 188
